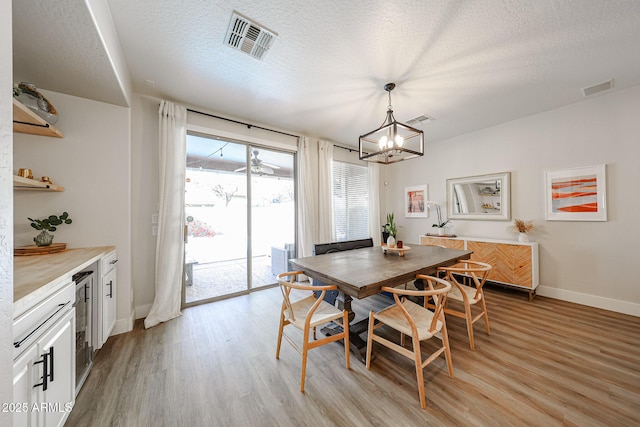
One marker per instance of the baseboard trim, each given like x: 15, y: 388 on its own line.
x: 142, y: 311
x: 123, y: 325
x: 618, y: 306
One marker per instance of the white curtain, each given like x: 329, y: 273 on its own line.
x: 307, y: 212
x: 325, y: 197
x: 170, y: 243
x: 375, y: 229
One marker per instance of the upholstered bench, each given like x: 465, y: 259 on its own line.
x: 347, y: 245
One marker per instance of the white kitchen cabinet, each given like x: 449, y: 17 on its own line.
x: 24, y: 377
x: 59, y: 396
x: 44, y: 362
x: 107, y: 298
x: 108, y: 304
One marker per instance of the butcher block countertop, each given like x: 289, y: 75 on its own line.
x: 36, y: 276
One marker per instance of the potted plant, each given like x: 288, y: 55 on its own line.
x: 51, y: 224
x: 523, y: 227
x: 389, y: 231
x: 441, y: 224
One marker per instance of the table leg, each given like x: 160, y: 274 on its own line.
x: 356, y: 343
x: 344, y: 303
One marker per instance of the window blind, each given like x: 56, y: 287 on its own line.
x: 350, y: 201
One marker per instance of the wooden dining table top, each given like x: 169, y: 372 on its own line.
x: 363, y: 272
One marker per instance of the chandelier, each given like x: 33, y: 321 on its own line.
x: 393, y: 141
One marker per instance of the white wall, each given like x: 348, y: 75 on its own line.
x: 6, y: 210
x: 92, y: 163
x: 585, y: 262
x: 144, y: 188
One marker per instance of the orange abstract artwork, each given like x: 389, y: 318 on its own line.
x: 575, y: 194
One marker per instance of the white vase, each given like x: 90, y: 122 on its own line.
x: 523, y: 237
x: 391, y: 242
x: 441, y: 231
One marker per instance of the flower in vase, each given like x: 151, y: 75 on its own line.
x: 440, y: 224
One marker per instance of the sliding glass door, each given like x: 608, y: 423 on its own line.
x: 272, y: 214
x: 240, y: 217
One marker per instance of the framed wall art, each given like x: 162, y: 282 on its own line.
x: 577, y: 194
x: 415, y: 201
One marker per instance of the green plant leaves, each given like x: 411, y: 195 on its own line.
x: 50, y: 222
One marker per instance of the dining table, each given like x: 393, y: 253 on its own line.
x: 360, y: 273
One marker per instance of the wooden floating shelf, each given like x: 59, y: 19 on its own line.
x: 20, y: 183
x: 26, y: 121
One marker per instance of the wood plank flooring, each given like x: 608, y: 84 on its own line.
x: 546, y: 363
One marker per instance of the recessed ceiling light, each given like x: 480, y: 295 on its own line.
x: 150, y: 83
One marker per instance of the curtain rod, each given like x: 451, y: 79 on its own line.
x: 249, y: 125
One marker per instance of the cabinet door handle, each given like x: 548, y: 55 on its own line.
x: 110, y: 294
x: 114, y: 261
x: 17, y: 344
x: 45, y: 374
x: 86, y: 296
x: 51, y: 364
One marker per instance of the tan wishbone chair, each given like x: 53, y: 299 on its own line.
x: 306, y: 313
x: 468, y: 295
x: 417, y: 322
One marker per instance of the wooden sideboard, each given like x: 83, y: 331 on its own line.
x: 514, y: 263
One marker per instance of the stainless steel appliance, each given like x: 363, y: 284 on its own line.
x: 84, y: 308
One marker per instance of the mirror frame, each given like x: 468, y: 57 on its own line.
x: 505, y: 197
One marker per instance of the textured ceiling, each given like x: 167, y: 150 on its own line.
x: 57, y: 46
x: 468, y: 64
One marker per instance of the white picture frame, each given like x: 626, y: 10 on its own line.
x: 415, y: 201
x: 576, y: 194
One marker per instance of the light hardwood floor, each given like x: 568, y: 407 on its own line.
x: 546, y: 363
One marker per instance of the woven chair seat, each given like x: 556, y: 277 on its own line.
x: 456, y: 294
x: 325, y: 313
x: 394, y: 317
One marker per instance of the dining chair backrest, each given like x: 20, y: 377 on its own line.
x: 287, y: 285
x: 475, y: 270
x: 435, y: 288
x: 285, y: 288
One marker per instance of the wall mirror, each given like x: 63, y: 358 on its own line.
x: 486, y: 197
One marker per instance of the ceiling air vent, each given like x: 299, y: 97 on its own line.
x: 601, y: 87
x: 420, y: 120
x: 249, y: 37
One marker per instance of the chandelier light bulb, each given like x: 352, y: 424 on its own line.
x: 399, y: 141
x: 383, y: 142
